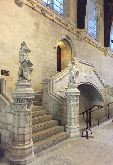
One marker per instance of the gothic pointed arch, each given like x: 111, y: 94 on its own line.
x: 65, y: 51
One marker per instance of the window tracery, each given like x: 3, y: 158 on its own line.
x: 56, y: 5
x: 91, y: 22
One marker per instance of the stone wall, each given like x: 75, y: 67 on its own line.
x: 41, y: 34
x: 6, y: 120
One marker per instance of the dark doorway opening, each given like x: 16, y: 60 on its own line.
x: 58, y: 59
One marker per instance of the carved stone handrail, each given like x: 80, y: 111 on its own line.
x: 6, y: 97
x: 4, y: 100
x: 50, y: 91
x: 99, y: 77
x: 61, y: 74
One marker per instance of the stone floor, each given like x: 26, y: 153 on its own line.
x: 80, y: 151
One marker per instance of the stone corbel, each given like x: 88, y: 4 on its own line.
x: 108, y: 51
x: 81, y: 33
x: 19, y: 3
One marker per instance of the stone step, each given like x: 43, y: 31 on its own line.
x: 38, y: 136
x: 39, y: 113
x: 41, y: 119
x: 37, y: 98
x: 36, y: 108
x: 44, y: 125
x: 46, y: 143
x: 37, y: 103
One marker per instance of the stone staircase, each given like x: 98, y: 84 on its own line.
x: 45, y: 130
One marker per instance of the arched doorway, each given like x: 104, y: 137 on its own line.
x: 89, y: 96
x: 64, y: 54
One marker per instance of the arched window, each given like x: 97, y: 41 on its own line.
x: 56, y: 5
x: 91, y: 19
x: 111, y: 38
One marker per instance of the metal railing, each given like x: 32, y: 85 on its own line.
x: 94, y: 116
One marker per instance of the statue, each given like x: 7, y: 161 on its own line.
x: 25, y: 68
x: 73, y: 74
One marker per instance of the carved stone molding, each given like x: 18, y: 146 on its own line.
x: 81, y: 33
x: 49, y: 13
x: 108, y: 52
x: 72, y: 97
x: 19, y: 3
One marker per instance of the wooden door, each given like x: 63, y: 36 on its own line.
x: 58, y: 59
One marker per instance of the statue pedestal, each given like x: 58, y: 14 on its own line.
x: 72, y: 126
x: 21, y: 149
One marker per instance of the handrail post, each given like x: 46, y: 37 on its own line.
x: 108, y: 112
x: 87, y: 122
x: 98, y: 117
x: 90, y: 118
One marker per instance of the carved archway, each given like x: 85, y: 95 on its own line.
x: 89, y: 96
x: 65, y: 51
x: 69, y: 40
x: 94, y: 86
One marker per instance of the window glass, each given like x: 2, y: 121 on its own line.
x: 57, y: 5
x: 111, y: 38
x: 91, y: 19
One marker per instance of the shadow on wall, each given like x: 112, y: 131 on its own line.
x: 89, y: 96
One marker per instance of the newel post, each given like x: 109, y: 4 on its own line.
x: 72, y: 95
x: 21, y: 148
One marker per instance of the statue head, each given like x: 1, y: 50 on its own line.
x: 24, y: 48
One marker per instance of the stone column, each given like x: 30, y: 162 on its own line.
x: 66, y: 9
x: 72, y: 94
x: 20, y: 149
x: 73, y: 12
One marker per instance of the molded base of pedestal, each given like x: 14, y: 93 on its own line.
x: 73, y: 131
x: 23, y: 161
x: 20, y: 155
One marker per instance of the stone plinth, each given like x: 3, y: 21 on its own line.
x: 72, y: 126
x: 21, y: 149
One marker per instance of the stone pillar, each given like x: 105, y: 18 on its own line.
x: 22, y: 145
x: 72, y: 94
x: 72, y: 126
x: 70, y: 11
x: 20, y: 150
x: 73, y: 12
x: 66, y: 9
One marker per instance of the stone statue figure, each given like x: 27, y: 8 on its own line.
x: 73, y: 73
x: 25, y: 68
